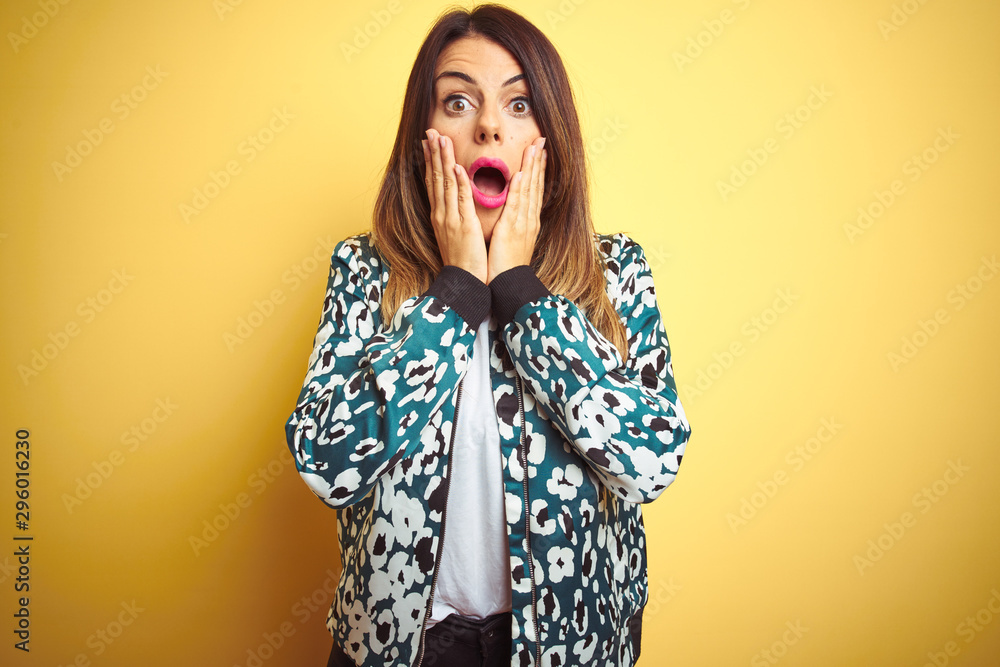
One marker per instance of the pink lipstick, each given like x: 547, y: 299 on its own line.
x: 489, y: 177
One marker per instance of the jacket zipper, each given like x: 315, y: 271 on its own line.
x: 527, y: 524
x: 444, y: 515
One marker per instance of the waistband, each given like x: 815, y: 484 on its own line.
x: 495, y: 628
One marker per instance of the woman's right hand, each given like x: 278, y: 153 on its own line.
x: 453, y: 212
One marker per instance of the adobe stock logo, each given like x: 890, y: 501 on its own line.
x: 786, y: 126
x: 753, y: 329
x: 103, y: 469
x: 899, y: 17
x: 248, y: 149
x: 958, y: 297
x: 925, y: 500
x: 608, y: 135
x: 38, y: 20
x: 122, y: 107
x: 566, y: 9
x: 223, y: 7
x: 230, y: 511
x: 796, y: 458
x: 103, y: 637
x: 372, y: 29
x: 779, y: 648
x: 713, y: 29
x: 914, y: 167
x: 59, y: 340
x: 263, y: 309
x: 969, y: 628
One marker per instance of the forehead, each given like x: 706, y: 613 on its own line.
x: 487, y: 62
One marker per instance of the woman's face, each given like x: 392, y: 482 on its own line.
x: 482, y: 103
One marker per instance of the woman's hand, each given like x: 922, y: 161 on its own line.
x: 453, y: 212
x: 515, y: 233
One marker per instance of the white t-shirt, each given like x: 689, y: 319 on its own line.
x: 474, y: 572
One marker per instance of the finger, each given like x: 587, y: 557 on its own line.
x: 427, y: 165
x: 529, y: 167
x: 541, y: 184
x: 526, y: 157
x: 537, y: 186
x: 536, y: 157
x: 466, y: 204
x: 450, y: 185
x: 511, y: 207
x: 527, y: 178
x: 436, y: 194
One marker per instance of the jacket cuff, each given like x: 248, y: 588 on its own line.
x: 512, y: 289
x: 462, y: 291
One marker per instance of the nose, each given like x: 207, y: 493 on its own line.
x: 489, y: 127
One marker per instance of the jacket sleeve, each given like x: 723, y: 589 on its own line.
x: 622, y: 417
x: 374, y: 390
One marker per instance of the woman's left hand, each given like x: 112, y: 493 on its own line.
x: 513, y: 240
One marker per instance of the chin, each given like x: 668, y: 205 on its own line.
x: 488, y: 219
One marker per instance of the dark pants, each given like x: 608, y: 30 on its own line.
x: 457, y: 642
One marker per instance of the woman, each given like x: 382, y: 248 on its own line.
x: 479, y: 331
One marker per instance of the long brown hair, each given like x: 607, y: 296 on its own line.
x: 566, y: 257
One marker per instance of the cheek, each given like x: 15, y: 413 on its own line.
x: 535, y: 132
x: 444, y: 124
x: 528, y: 137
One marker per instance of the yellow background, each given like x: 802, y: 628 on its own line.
x: 662, y: 133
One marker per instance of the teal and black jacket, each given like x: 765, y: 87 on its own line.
x: 586, y: 437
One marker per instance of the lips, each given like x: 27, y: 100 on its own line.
x: 490, y: 178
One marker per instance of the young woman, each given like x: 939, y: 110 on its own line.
x: 490, y: 395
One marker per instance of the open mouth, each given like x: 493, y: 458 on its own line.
x: 490, y: 181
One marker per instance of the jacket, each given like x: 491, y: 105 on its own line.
x: 586, y: 437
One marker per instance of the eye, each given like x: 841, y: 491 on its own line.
x: 521, y: 106
x: 456, y: 104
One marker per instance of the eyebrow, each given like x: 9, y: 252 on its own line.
x: 468, y: 79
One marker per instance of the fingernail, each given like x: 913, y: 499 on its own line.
x: 543, y: 143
